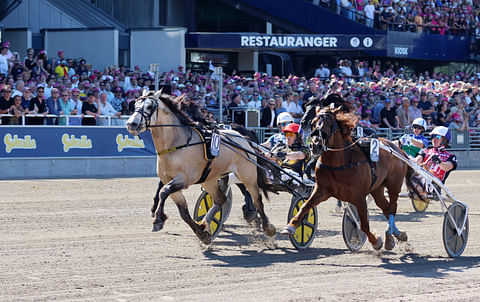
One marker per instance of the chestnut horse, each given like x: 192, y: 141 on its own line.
x: 345, y: 172
x: 181, y: 161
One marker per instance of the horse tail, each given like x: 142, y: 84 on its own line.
x: 412, y: 180
x: 245, y: 132
x: 262, y: 177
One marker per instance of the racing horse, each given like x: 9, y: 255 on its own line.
x: 345, y: 172
x: 181, y: 161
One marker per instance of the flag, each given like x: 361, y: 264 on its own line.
x: 210, y: 66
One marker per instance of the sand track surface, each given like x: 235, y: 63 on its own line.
x: 91, y: 240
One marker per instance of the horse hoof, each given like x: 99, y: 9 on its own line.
x: 288, y: 230
x: 153, y: 214
x: 379, y: 243
x: 249, y: 214
x: 402, y: 236
x: 206, y: 238
x: 157, y: 227
x: 389, y: 242
x: 270, y: 230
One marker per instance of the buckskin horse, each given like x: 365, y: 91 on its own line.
x: 181, y: 161
x: 345, y: 172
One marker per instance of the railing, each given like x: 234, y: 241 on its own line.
x: 65, y: 120
x: 461, y: 140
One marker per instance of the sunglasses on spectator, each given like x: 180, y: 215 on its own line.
x: 64, y: 94
x: 7, y: 91
x: 271, y: 104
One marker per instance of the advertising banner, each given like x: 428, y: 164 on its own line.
x: 73, y: 142
x: 286, y: 41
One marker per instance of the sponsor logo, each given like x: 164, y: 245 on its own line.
x: 126, y: 142
x: 401, y: 51
x: 71, y: 142
x: 354, y: 42
x: 287, y: 41
x: 18, y: 143
x: 367, y: 42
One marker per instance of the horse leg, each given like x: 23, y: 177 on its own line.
x: 315, y: 198
x: 362, y: 209
x: 173, y: 186
x: 393, y: 192
x: 249, y: 211
x: 156, y: 198
x: 219, y: 198
x: 252, y: 187
x: 389, y: 210
x: 198, y: 229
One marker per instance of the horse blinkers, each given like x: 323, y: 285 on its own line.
x: 323, y: 132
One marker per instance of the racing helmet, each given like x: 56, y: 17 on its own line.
x: 293, y: 127
x: 442, y: 131
x: 284, y: 117
x: 420, y: 122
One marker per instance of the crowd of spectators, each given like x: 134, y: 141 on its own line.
x: 382, y: 96
x: 442, y: 17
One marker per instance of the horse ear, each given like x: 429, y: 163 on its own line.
x: 145, y: 92
x: 336, y: 110
x: 158, y: 93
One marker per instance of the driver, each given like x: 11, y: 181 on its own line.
x: 283, y: 119
x: 293, y: 155
x: 436, y: 159
x: 414, y: 142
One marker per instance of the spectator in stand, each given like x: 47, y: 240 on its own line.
x: 76, y: 105
x: 312, y: 91
x: 404, y: 114
x: 416, y: 112
x: 54, y: 107
x: 269, y: 115
x: 65, y: 105
x: 38, y: 106
x: 117, y: 99
x: 255, y: 101
x: 3, y: 61
x: 61, y: 70
x: 389, y: 118
x: 369, y: 11
x: 457, y: 122
x: 90, y: 110
x: 26, y: 98
x: 107, y: 110
x: 5, y: 103
x: 16, y: 110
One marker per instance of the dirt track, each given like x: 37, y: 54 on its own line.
x: 90, y: 240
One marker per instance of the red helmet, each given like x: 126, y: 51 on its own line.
x: 294, y: 128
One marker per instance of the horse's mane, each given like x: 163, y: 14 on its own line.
x: 174, y: 103
x: 346, y: 121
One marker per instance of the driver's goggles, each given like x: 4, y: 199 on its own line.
x: 437, y: 137
x: 283, y: 124
x: 290, y: 134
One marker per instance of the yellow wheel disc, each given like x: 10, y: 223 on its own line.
x: 419, y: 205
x: 305, y: 231
x: 204, y: 203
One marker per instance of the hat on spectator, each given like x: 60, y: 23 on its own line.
x: 27, y: 88
x: 181, y: 86
x: 74, y: 76
x: 6, y: 44
x: 176, y: 79
x: 180, y: 67
x: 136, y: 67
x: 118, y: 89
x: 60, y: 52
x: 173, y: 82
x: 91, y: 92
x: 75, y: 90
x: 456, y: 117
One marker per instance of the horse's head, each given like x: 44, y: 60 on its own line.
x: 326, y: 123
x: 146, y: 108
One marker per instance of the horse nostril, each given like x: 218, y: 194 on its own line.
x: 132, y: 124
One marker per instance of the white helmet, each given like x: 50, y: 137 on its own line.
x: 442, y: 131
x: 284, y: 117
x: 420, y: 122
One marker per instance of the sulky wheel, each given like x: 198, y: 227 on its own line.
x: 204, y: 203
x: 305, y: 232
x: 419, y: 205
x: 455, y: 232
x: 353, y: 236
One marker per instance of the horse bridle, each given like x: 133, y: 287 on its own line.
x: 143, y: 114
x: 325, y: 138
